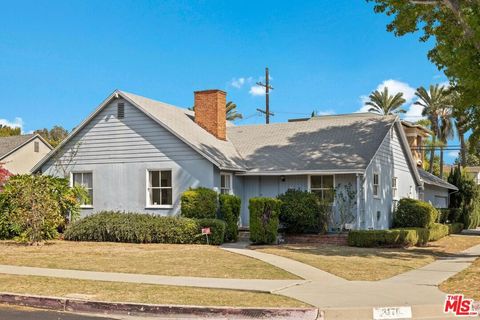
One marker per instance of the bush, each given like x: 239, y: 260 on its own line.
x: 229, y: 211
x: 142, y: 228
x: 217, y: 229
x: 455, y: 227
x: 467, y: 198
x: 437, y: 231
x: 264, y: 220
x: 394, y: 238
x: 302, y: 212
x: 199, y: 203
x: 414, y: 213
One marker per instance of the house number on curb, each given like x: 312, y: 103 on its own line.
x: 392, y: 313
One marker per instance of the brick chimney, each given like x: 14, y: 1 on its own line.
x: 210, y: 112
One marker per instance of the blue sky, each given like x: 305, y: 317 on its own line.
x: 60, y: 59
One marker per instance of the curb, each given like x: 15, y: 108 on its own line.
x: 138, y: 309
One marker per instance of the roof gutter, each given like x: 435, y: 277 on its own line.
x: 299, y: 172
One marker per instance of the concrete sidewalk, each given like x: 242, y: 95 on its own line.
x: 216, y: 283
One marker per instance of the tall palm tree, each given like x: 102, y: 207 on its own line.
x: 445, y: 131
x: 432, y: 102
x: 383, y: 103
x: 461, y: 118
x: 232, y: 113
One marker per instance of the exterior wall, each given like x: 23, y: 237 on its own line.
x: 437, y: 196
x: 24, y: 159
x: 119, y: 151
x: 390, y: 161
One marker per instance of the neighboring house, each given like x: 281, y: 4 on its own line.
x: 137, y: 154
x: 473, y: 172
x: 19, y: 154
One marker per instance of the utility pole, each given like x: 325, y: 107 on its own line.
x: 267, y: 97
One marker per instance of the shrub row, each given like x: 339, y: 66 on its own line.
x: 413, y: 213
x: 401, y: 237
x: 143, y: 228
x: 204, y: 203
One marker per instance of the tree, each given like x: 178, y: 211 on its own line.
x: 383, y: 103
x: 454, y: 26
x: 432, y: 101
x: 445, y: 131
x: 467, y: 199
x: 231, y: 111
x: 6, y: 131
x: 54, y: 136
x: 461, y: 116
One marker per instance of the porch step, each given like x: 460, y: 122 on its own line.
x: 243, y: 236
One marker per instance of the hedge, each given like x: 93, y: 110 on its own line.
x: 302, y: 212
x: 229, y: 211
x: 412, y: 213
x: 264, y: 220
x: 402, y: 237
x: 199, y: 203
x: 141, y: 228
x: 217, y: 229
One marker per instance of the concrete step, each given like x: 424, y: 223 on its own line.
x: 243, y: 235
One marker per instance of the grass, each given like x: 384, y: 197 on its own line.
x: 141, y: 293
x: 159, y: 259
x: 371, y: 264
x: 466, y: 282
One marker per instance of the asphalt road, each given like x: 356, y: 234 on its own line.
x: 14, y: 313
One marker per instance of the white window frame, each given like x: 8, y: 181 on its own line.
x: 309, y: 185
x: 395, y: 188
x: 84, y: 206
x: 377, y: 194
x: 230, y: 178
x: 147, y: 187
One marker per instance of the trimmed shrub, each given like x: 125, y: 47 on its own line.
x: 450, y: 215
x: 264, y: 220
x: 455, y: 227
x: 199, y: 203
x: 437, y: 231
x: 414, y: 213
x: 132, y: 227
x: 393, y: 238
x: 229, y: 211
x: 302, y: 212
x: 217, y: 229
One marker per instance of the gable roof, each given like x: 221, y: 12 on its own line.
x: 342, y: 143
x: 9, y: 144
x: 431, y: 179
x: 178, y: 121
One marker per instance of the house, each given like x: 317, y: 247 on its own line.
x: 473, y: 172
x: 19, y: 154
x: 137, y: 154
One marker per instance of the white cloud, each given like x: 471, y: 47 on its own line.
x: 257, y: 90
x: 237, y: 82
x: 453, y: 154
x: 16, y: 123
x: 327, y: 112
x: 414, y: 113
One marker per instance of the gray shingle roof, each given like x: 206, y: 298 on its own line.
x: 181, y: 121
x: 429, y: 178
x: 8, y: 144
x: 334, y: 143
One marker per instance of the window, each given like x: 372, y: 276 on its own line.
x: 323, y: 186
x: 159, y: 188
x: 226, y: 183
x: 376, y: 185
x: 394, y: 187
x: 120, y: 111
x: 36, y: 146
x: 84, y: 179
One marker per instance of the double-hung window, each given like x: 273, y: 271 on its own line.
x: 323, y: 186
x: 85, y: 180
x: 159, y: 188
x: 226, y: 183
x: 376, y: 185
x: 394, y: 187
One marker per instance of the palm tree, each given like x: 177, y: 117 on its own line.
x: 383, y: 103
x: 461, y: 118
x: 232, y: 113
x: 432, y: 102
x: 445, y: 131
